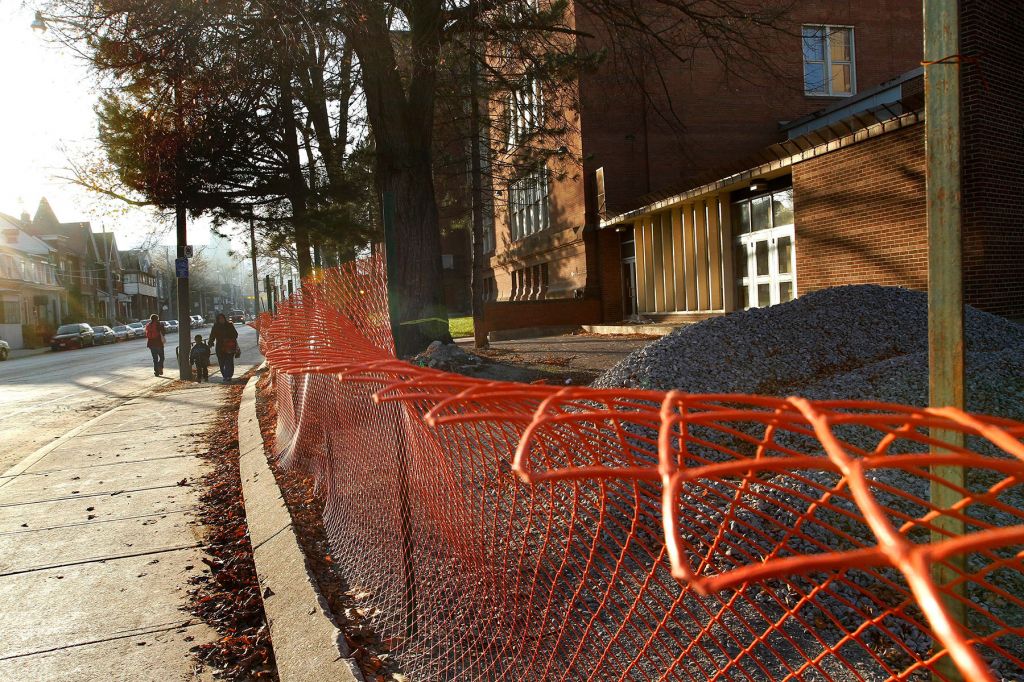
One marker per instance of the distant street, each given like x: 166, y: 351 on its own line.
x: 44, y: 396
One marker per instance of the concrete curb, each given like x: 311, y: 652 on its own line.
x: 307, y: 645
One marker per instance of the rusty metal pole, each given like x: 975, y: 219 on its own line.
x: 945, y: 275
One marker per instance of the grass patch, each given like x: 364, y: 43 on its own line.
x: 460, y: 327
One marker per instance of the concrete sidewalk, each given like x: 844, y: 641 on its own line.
x: 97, y: 545
x: 589, y: 354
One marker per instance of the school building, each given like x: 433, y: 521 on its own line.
x: 759, y: 192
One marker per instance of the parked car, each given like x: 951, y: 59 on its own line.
x: 104, y: 335
x: 5, y: 350
x: 123, y: 332
x: 76, y: 335
x: 138, y: 329
x: 172, y: 326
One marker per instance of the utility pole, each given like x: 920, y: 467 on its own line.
x: 945, y: 283
x: 476, y: 285
x: 110, y: 280
x: 280, y: 271
x: 184, y: 313
x: 255, y: 275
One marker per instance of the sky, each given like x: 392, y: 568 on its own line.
x: 46, y: 114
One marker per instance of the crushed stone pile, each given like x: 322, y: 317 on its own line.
x: 862, y: 342
x: 855, y: 343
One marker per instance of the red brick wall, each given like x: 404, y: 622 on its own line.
x: 724, y: 120
x: 860, y: 214
x: 609, y: 274
x: 992, y: 125
x: 521, y: 314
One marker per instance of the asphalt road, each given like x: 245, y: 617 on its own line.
x: 44, y: 396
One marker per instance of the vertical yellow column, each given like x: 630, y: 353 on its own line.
x: 728, y: 256
x: 667, y: 263
x: 649, y: 264
x: 690, y: 261
x: 658, y: 281
x: 677, y: 258
x: 715, y: 254
x: 700, y: 229
x: 641, y: 279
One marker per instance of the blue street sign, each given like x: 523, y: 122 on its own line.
x: 181, y: 268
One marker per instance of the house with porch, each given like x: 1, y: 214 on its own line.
x: 30, y: 293
x: 110, y: 291
x: 77, y: 258
x: 140, y: 284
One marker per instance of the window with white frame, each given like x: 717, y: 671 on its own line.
x: 528, y: 204
x: 525, y: 109
x: 829, y: 64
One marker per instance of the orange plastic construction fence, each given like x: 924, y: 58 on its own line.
x: 497, y: 531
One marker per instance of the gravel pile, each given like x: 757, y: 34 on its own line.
x: 861, y: 343
x: 856, y: 342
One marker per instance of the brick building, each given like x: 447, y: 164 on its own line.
x: 766, y: 192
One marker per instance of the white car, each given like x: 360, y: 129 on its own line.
x: 5, y: 350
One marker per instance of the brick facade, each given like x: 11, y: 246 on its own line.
x: 554, y: 312
x: 609, y: 276
x: 860, y: 207
x: 860, y: 214
x: 722, y: 122
x: 992, y: 125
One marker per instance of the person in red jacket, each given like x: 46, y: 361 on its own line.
x: 155, y: 342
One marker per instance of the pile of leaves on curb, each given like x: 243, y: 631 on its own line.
x: 305, y: 506
x: 228, y: 598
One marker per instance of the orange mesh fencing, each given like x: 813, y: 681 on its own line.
x: 497, y: 531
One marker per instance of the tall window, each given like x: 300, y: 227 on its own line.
x: 525, y: 111
x: 10, y: 312
x: 829, y: 65
x: 528, y: 204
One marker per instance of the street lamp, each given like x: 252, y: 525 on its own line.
x: 39, y: 24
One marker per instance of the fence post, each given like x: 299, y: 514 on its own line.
x: 401, y: 440
x: 945, y: 278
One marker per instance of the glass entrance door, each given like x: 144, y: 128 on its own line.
x: 629, y: 288
x: 765, y: 265
x: 627, y: 252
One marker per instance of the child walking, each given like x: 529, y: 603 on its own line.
x: 199, y: 357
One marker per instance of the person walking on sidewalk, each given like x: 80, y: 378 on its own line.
x: 199, y: 356
x: 155, y: 342
x: 224, y: 339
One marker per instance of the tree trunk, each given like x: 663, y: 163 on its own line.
x: 297, y: 180
x: 402, y: 122
x: 415, y: 278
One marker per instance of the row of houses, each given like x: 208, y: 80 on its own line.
x: 54, y: 272
x: 768, y: 185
